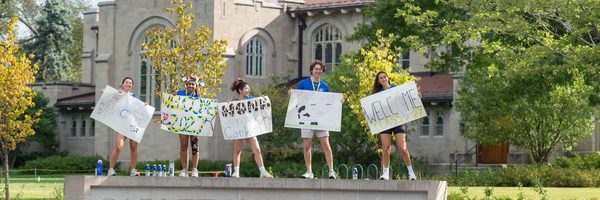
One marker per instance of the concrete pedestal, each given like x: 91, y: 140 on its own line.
x: 149, y: 188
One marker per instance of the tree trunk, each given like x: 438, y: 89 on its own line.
x: 5, y: 174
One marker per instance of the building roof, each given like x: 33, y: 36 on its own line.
x: 312, y: 5
x: 438, y: 87
x: 82, y: 100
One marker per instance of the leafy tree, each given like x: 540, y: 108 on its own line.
x: 182, y: 50
x: 530, y: 68
x: 16, y: 72
x: 51, y: 42
x: 26, y: 12
x: 45, y: 130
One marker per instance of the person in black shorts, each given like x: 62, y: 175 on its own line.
x: 382, y: 83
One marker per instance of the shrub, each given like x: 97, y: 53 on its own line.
x: 63, y: 164
x: 584, y: 162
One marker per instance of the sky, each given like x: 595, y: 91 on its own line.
x: 22, y: 32
x: 94, y: 3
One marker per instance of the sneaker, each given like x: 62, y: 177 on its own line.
x: 183, y: 173
x: 194, y: 172
x: 111, y: 172
x: 134, y: 173
x: 412, y: 177
x: 332, y: 175
x: 308, y: 175
x: 235, y: 175
x: 266, y: 175
x: 384, y: 177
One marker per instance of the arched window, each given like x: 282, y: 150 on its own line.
x: 425, y: 125
x: 148, y: 76
x: 327, y: 46
x: 439, y: 124
x: 255, y: 57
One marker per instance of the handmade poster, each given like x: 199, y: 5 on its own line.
x: 123, y: 113
x: 245, y: 118
x: 188, y: 116
x: 314, y: 110
x: 393, y: 107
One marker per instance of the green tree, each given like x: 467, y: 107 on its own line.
x: 26, y: 12
x: 16, y: 72
x: 51, y: 42
x: 182, y: 50
x: 45, y: 130
x: 530, y: 68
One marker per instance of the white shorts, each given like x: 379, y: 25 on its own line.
x: 308, y: 133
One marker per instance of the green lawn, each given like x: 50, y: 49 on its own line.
x: 28, y: 187
x: 528, y: 193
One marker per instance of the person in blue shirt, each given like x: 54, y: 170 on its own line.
x: 314, y: 83
x: 243, y: 90
x: 126, y: 86
x: 381, y: 83
x: 191, y: 84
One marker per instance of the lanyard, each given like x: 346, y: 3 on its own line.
x: 313, y: 85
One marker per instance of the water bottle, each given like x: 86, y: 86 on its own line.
x: 228, y: 170
x: 147, y: 169
x: 164, y: 170
x: 171, y: 168
x: 99, y: 168
x: 160, y: 170
x: 154, y: 172
x: 354, y: 173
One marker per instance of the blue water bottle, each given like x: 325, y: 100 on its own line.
x: 147, y: 169
x: 154, y: 172
x: 354, y: 173
x: 228, y: 170
x: 164, y: 170
x: 99, y: 168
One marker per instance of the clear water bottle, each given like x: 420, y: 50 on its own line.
x: 154, y: 170
x: 164, y: 170
x: 354, y: 173
x: 99, y: 168
x: 171, y: 168
x: 147, y: 169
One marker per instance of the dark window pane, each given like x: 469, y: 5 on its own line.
x: 319, y: 52
x: 338, y: 52
x: 328, y: 54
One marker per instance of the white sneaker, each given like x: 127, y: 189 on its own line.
x: 384, y: 177
x: 194, y: 172
x: 235, y: 174
x: 266, y: 175
x: 308, y: 175
x: 183, y: 173
x: 134, y: 173
x: 332, y: 175
x: 111, y: 172
x: 412, y: 177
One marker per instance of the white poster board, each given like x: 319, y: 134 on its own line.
x: 393, y: 107
x: 314, y: 110
x: 188, y: 116
x: 246, y: 118
x: 123, y: 113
